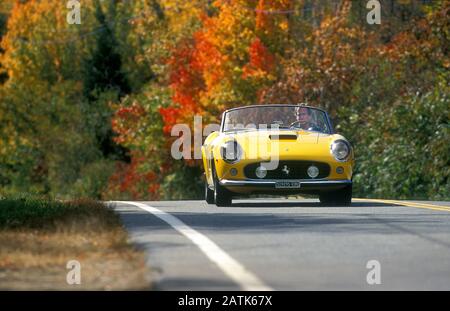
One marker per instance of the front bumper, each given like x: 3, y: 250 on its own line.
x: 271, y: 185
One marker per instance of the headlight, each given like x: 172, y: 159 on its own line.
x: 231, y: 152
x: 340, y: 149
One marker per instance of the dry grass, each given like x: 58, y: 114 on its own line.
x: 36, y: 246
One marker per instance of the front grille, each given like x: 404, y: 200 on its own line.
x: 297, y: 170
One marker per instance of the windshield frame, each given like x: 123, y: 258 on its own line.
x: 327, y: 118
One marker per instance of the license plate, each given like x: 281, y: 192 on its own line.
x: 287, y: 184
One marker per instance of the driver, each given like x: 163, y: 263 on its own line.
x: 303, y: 119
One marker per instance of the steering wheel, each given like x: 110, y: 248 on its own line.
x: 293, y: 124
x: 311, y: 128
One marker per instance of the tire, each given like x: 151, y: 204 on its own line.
x: 209, y: 194
x: 342, y: 197
x: 325, y: 198
x: 222, y: 197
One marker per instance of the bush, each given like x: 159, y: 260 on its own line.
x: 404, y: 151
x: 24, y: 211
x: 93, y: 180
x: 183, y: 183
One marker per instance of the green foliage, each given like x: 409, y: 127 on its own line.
x: 103, y: 70
x: 103, y: 83
x: 403, y: 151
x: 92, y: 180
x: 29, y: 212
x: 183, y: 184
x: 52, y: 139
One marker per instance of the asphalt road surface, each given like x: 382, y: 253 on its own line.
x: 293, y: 244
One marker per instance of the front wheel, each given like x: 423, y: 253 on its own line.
x: 341, y: 197
x: 209, y: 194
x: 221, y: 195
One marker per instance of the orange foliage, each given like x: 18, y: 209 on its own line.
x: 261, y: 60
x: 129, y: 179
x: 186, y: 82
x: 122, y: 119
x: 206, y: 71
x: 269, y: 11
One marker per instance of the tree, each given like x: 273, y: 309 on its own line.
x: 104, y: 82
x: 87, y: 110
x: 228, y: 61
x: 5, y: 8
x: 137, y: 120
x: 45, y: 144
x: 103, y: 70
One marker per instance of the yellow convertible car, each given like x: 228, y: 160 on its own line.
x: 277, y: 149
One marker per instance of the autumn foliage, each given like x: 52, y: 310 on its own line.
x: 185, y: 58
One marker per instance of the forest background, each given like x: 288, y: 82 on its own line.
x: 86, y: 110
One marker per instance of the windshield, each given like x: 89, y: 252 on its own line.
x: 282, y: 117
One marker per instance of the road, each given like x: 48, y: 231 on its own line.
x: 266, y: 244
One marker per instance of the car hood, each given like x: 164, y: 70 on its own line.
x: 287, y: 144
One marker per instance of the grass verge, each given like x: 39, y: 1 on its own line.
x: 39, y: 237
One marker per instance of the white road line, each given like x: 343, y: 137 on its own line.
x: 231, y: 267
